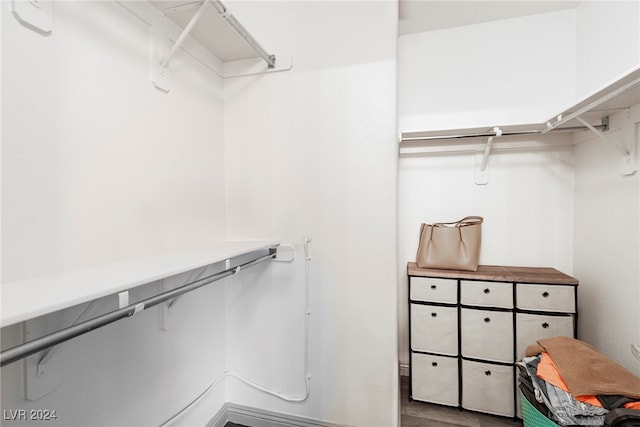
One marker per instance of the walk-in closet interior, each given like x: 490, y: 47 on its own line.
x: 209, y: 208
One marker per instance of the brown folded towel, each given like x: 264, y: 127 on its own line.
x: 585, y: 370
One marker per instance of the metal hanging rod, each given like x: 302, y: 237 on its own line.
x: 34, y: 346
x: 602, y: 127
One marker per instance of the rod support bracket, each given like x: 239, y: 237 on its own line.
x: 482, y: 159
x: 137, y: 309
x: 284, y: 253
x: 628, y: 164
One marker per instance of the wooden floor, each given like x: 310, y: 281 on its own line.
x: 419, y: 414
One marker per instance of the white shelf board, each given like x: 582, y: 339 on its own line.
x: 26, y: 299
x: 213, y: 31
x: 624, y: 100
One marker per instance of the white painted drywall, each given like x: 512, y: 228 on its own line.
x: 607, y: 237
x: 313, y: 152
x: 607, y: 246
x: 99, y: 166
x: 498, y: 73
x: 607, y: 42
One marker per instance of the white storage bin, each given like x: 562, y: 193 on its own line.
x: 532, y: 327
x: 487, y: 334
x: 434, y: 290
x: 486, y: 294
x: 488, y: 388
x: 434, y: 379
x: 546, y: 297
x: 434, y: 329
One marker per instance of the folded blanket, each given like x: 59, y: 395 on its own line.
x: 585, y: 370
x: 549, y: 373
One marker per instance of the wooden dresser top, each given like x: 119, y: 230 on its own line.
x: 498, y: 273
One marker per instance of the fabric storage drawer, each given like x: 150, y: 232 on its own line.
x: 486, y: 294
x: 546, y: 297
x: 434, y: 329
x: 487, y: 334
x: 434, y: 290
x: 532, y: 327
x: 488, y: 388
x: 434, y: 379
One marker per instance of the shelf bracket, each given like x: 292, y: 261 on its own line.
x: 43, y: 371
x: 159, y: 36
x: 169, y: 283
x: 628, y: 165
x: 482, y: 159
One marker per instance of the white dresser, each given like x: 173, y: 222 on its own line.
x: 467, y: 329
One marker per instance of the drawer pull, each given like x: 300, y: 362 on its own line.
x: 487, y: 373
x: 545, y: 294
x: 434, y: 287
x: 545, y: 325
x: 434, y: 364
x: 487, y: 291
x: 487, y: 320
x: 434, y: 314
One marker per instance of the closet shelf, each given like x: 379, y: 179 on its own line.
x: 27, y: 299
x: 592, y: 113
x: 621, y: 94
x: 618, y: 95
x: 210, y: 23
x: 219, y: 30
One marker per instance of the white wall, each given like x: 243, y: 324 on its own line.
x: 98, y: 166
x: 607, y: 43
x: 497, y: 73
x: 607, y: 258
x: 313, y: 152
x: 607, y: 246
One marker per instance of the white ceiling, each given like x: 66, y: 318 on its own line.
x: 416, y: 16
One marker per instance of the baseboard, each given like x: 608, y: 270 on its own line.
x: 404, y: 370
x: 254, y: 417
x: 220, y: 418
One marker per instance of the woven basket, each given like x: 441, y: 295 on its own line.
x: 531, y: 417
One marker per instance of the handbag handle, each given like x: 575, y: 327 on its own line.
x: 467, y: 220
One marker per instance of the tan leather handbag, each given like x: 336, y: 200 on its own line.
x: 450, y: 245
